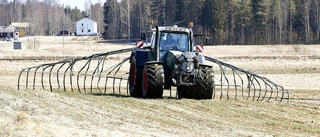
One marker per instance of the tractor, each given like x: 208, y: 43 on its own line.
x: 168, y: 60
x: 166, y: 57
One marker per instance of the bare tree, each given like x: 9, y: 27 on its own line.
x: 125, y: 17
x: 306, y: 15
x: 276, y: 21
x: 4, y: 7
x: 97, y: 15
x: 114, y: 26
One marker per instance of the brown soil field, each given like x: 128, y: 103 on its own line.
x: 39, y: 112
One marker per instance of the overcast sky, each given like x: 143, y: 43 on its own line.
x: 79, y: 3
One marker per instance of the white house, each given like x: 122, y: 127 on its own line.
x: 86, y: 26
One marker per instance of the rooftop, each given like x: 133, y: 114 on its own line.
x: 6, y: 29
x: 20, y: 24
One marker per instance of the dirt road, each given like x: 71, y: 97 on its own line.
x: 43, y: 113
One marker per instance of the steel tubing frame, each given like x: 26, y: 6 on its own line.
x: 254, y: 86
x: 257, y: 87
x: 98, y: 71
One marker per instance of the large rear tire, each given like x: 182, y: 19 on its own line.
x: 152, y: 81
x: 204, y: 82
x: 135, y: 78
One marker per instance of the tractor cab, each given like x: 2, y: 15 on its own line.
x: 174, y: 41
x: 170, y: 38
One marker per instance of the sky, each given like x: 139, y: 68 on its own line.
x: 79, y: 3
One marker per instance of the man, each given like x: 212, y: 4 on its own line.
x: 169, y: 41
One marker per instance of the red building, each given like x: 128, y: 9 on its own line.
x: 64, y: 33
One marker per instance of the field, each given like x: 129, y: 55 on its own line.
x: 38, y: 112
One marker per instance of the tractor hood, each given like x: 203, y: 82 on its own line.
x: 170, y: 55
x: 188, y: 55
x: 175, y: 53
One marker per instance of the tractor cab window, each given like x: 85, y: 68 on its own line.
x: 174, y: 41
x: 152, y: 40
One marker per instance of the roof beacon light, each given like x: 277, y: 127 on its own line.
x: 191, y: 24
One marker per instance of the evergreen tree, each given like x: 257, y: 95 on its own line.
x: 158, y: 11
x: 275, y: 22
x: 301, y: 21
x: 180, y: 16
x: 220, y: 20
x: 232, y: 6
x: 206, y: 16
x: 214, y: 16
x: 315, y: 19
x: 243, y: 22
x: 292, y: 14
x: 259, y: 10
x: 106, y: 20
x: 76, y: 14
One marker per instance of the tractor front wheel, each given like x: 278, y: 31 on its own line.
x: 204, y: 82
x: 152, y: 81
x: 203, y: 88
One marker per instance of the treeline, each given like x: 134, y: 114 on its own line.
x: 47, y: 17
x: 226, y: 21
x: 239, y: 22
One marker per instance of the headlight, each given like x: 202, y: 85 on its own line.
x: 189, y: 60
x: 190, y: 67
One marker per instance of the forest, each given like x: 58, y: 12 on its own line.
x: 227, y: 22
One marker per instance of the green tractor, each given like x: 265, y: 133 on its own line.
x: 170, y: 59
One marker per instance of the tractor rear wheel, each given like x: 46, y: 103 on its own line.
x: 152, y: 81
x: 204, y: 82
x: 135, y: 78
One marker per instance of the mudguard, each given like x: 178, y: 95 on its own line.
x: 142, y: 56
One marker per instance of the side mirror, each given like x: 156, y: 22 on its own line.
x: 208, y: 41
x: 143, y: 36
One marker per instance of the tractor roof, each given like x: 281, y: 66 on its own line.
x: 174, y: 29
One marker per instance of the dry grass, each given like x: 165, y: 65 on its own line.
x: 43, y: 113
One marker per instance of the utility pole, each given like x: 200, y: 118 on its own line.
x: 34, y: 42
x: 63, y: 33
x: 28, y: 34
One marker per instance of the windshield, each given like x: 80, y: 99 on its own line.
x: 174, y: 41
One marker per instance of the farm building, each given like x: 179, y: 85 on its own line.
x: 64, y: 33
x: 21, y: 28
x: 86, y: 26
x: 7, y: 31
